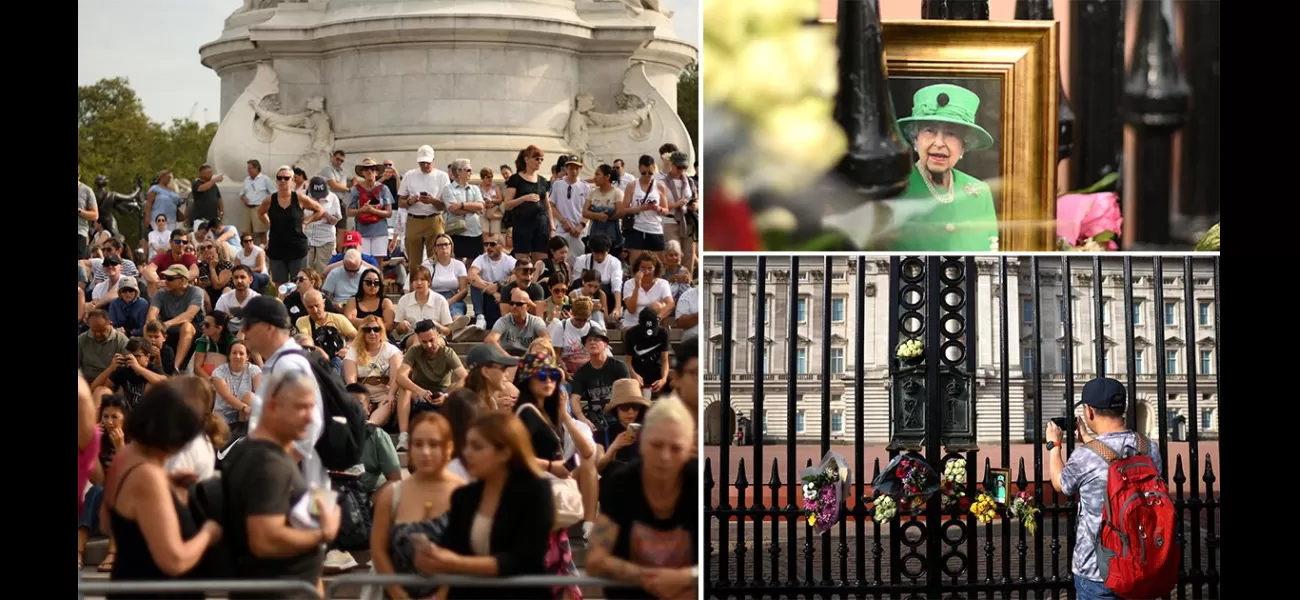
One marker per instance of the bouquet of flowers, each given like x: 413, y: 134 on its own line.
x: 909, y: 349
x: 823, y: 491
x: 885, y: 508
x: 984, y: 509
x: 953, y: 482
x: 1089, y: 220
x: 1210, y: 241
x: 909, y: 480
x: 1023, y: 508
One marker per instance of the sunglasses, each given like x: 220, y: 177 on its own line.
x: 283, y: 178
x: 490, y: 244
x: 246, y: 240
x: 298, y: 280
x: 372, y: 329
x: 559, y: 289
x: 545, y: 374
x: 178, y: 241
x: 374, y: 282
x: 513, y: 303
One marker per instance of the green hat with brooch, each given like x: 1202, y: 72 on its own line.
x: 947, y: 103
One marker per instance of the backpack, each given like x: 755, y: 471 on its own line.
x: 344, y: 431
x: 327, y: 337
x: 364, y: 197
x: 1136, y: 551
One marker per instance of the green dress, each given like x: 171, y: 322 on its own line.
x: 968, y: 224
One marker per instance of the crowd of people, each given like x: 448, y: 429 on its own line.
x: 529, y: 346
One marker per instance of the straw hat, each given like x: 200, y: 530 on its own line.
x: 626, y: 391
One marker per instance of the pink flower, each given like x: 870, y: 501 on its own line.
x: 1080, y: 217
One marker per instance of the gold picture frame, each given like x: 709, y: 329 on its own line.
x: 1023, y: 56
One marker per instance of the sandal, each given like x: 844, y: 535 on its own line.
x: 107, y: 565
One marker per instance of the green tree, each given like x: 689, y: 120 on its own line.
x: 116, y: 139
x: 688, y: 100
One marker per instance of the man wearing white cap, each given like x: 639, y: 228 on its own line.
x: 418, y: 195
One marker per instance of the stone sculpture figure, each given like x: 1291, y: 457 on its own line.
x: 633, y: 115
x: 112, y: 203
x: 313, y: 122
x: 639, y: 6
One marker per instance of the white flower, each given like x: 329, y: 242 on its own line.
x: 809, y: 491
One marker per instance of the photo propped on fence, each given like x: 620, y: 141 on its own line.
x: 937, y: 380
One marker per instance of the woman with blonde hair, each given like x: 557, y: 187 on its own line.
x: 415, y: 505
x: 373, y: 362
x: 657, y: 495
x: 499, y: 525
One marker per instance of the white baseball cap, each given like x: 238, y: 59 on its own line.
x: 424, y: 154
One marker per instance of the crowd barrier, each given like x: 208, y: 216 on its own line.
x: 100, y: 588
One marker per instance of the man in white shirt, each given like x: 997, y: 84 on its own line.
x: 418, y: 194
x: 337, y: 181
x: 321, y: 226
x: 687, y: 315
x: 487, y: 274
x: 241, y: 277
x: 568, y: 198
x: 611, y: 275
x: 621, y: 177
x: 266, y: 332
x: 257, y: 188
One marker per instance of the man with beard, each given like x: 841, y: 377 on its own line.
x: 241, y: 277
x: 941, y: 130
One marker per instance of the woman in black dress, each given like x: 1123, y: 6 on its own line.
x: 286, y: 245
x: 157, y: 538
x: 525, y: 200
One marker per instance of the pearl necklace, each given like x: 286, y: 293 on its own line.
x: 941, y: 198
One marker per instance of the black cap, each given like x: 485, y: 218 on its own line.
x: 112, y: 260
x: 263, y: 309
x: 317, y: 188
x: 1103, y: 393
x: 678, y: 159
x: 595, y: 332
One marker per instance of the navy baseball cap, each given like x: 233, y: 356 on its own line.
x: 317, y: 188
x: 1103, y: 393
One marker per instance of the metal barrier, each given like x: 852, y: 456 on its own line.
x: 100, y: 588
x: 184, y: 586
x: 520, y: 581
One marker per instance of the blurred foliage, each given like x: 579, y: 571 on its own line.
x: 688, y: 101
x: 115, y: 138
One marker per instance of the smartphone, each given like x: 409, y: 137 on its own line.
x: 1064, y: 423
x: 572, y: 464
x: 635, y: 428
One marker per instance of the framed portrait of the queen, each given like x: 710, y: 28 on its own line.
x: 976, y: 101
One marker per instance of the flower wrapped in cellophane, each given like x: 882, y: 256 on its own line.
x: 823, y: 491
x: 909, y: 480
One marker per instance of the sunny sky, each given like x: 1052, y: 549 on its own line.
x: 155, y: 44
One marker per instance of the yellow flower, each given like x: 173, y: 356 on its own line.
x: 812, y: 520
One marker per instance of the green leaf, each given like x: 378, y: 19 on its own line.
x: 1105, y: 182
x: 1104, y: 236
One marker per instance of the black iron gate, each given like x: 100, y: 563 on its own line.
x: 756, y: 542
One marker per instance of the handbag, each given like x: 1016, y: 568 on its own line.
x: 454, y: 224
x: 564, y: 492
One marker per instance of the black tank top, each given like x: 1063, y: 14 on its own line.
x: 378, y: 312
x: 285, y: 237
x: 134, y: 562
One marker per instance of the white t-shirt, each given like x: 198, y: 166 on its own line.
x: 198, y: 456
x: 568, y: 340
x: 648, y: 221
x: 659, y: 291
x: 228, y: 301
x: 158, y: 239
x: 250, y: 260
x: 494, y: 271
x: 436, y: 309
x: 446, y: 278
x: 416, y: 181
x: 611, y: 271
x: 101, y: 289
x: 570, y: 205
x: 688, y: 304
x: 321, y: 232
x: 378, y: 365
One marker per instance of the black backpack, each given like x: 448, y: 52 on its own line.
x: 344, y: 430
x: 327, y: 337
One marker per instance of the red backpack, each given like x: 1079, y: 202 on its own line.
x: 1136, y: 551
x: 365, y: 197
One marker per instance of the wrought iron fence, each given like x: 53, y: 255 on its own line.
x: 756, y: 543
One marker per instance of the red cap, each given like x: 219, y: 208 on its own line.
x: 352, y: 239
